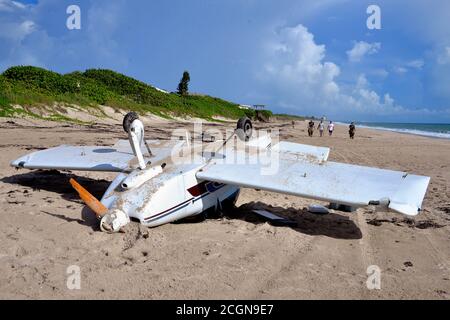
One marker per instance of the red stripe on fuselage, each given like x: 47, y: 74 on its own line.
x: 198, y: 189
x: 158, y: 214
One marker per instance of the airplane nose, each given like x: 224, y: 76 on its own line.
x: 113, y: 221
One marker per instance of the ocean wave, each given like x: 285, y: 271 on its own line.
x: 434, y: 134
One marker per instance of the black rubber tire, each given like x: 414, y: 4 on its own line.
x: 128, y: 120
x: 244, y: 128
x: 346, y: 208
x: 341, y: 207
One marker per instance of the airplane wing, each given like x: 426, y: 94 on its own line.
x: 328, y: 181
x: 84, y: 158
x: 91, y: 158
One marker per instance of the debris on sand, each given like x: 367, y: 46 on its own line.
x: 411, y: 223
x: 408, y: 264
x: 445, y: 208
x: 376, y: 222
x: 426, y: 224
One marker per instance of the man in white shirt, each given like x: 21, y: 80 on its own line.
x: 330, y: 128
x: 321, y: 126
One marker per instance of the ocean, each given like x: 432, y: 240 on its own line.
x: 436, y: 130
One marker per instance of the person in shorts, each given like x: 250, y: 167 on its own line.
x: 351, y: 130
x: 330, y: 128
x: 310, y: 128
x: 321, y: 127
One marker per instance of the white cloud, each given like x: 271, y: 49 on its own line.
x: 381, y: 73
x: 400, y: 70
x: 413, y: 64
x: 17, y: 31
x: 295, y: 64
x: 16, y: 24
x: 361, y: 82
x: 361, y: 49
x: 416, y: 64
x: 10, y: 6
x: 297, y: 71
x: 438, y: 74
x: 363, y: 100
x: 103, y: 22
x: 27, y: 38
x: 15, y: 21
x: 444, y: 56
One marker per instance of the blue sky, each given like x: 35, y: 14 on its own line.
x: 300, y: 57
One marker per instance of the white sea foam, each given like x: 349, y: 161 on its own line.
x: 442, y: 135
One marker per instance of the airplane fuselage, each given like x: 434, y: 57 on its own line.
x: 171, y: 195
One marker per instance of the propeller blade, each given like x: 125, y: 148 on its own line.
x: 95, y: 205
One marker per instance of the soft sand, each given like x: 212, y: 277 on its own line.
x: 44, y: 229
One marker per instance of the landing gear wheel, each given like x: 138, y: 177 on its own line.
x: 128, y: 120
x: 244, y: 128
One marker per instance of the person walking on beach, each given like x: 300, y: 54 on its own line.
x: 321, y: 127
x: 330, y: 128
x: 351, y: 130
x: 310, y: 128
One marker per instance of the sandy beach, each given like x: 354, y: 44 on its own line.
x: 45, y: 229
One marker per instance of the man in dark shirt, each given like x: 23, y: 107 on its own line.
x: 310, y: 128
x: 351, y: 130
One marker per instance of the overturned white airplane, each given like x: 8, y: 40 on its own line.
x: 155, y: 187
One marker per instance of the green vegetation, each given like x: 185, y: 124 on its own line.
x: 36, y: 87
x: 283, y: 116
x: 252, y: 114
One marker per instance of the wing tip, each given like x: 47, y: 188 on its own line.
x: 19, y: 163
x: 405, y: 208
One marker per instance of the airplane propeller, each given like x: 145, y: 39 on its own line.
x: 99, y: 209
